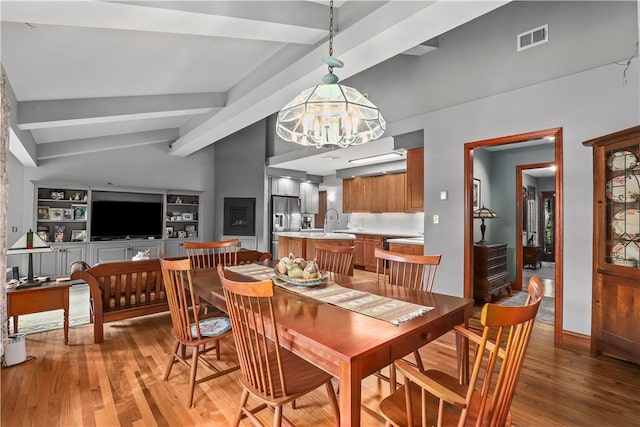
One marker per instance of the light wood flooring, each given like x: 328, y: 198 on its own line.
x: 120, y: 383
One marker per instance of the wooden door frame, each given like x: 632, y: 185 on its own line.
x: 519, y: 210
x: 555, y: 133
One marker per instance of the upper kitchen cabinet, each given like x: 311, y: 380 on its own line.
x: 356, y: 195
x: 388, y: 193
x: 309, y: 198
x: 285, y: 187
x: 415, y: 180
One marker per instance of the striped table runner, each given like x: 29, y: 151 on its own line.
x: 376, y: 306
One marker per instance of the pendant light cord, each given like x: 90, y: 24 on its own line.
x: 331, y: 33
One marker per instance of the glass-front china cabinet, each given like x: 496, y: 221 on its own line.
x: 615, y: 325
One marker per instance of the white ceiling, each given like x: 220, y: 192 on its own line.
x: 91, y: 76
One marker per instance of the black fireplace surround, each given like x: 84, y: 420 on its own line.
x: 239, y: 216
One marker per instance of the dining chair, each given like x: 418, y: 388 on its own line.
x: 410, y: 271
x: 205, y: 255
x: 271, y: 374
x: 335, y: 259
x: 434, y: 397
x: 189, y: 327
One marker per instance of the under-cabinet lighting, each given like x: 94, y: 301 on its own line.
x: 378, y: 158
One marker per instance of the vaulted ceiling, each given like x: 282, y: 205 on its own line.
x: 90, y: 76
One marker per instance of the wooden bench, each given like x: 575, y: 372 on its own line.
x: 135, y: 288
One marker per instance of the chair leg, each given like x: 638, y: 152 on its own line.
x: 217, y: 349
x: 333, y: 401
x: 277, y: 416
x: 171, y: 360
x: 243, y: 402
x: 419, y: 364
x: 194, y: 369
x: 392, y: 378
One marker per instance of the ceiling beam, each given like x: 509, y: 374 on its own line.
x: 388, y: 31
x: 74, y: 112
x: 145, y: 17
x: 93, y: 145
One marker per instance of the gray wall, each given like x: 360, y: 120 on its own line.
x: 240, y: 172
x: 476, y: 87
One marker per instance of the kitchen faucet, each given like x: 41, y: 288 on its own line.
x: 326, y: 218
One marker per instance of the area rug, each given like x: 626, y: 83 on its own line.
x: 546, y: 272
x: 54, y: 319
x: 545, y: 311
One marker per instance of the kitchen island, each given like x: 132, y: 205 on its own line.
x: 303, y: 243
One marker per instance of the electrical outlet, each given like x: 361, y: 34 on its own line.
x: 436, y: 219
x: 14, y: 229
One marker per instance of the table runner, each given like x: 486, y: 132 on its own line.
x: 376, y: 306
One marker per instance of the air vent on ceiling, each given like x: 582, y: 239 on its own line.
x: 533, y: 37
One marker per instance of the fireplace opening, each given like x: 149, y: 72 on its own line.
x: 239, y: 216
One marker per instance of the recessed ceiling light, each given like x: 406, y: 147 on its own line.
x: 330, y: 157
x: 378, y: 158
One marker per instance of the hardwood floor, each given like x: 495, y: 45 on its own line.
x: 120, y: 383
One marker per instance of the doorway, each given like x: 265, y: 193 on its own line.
x: 552, y: 135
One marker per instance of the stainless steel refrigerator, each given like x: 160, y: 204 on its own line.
x: 285, y: 216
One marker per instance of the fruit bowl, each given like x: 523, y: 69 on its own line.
x: 301, y: 282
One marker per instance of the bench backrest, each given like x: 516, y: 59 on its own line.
x: 127, y: 283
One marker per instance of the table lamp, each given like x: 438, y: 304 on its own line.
x: 29, y: 243
x: 484, y: 213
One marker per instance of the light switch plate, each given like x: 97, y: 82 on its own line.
x: 444, y: 195
x: 436, y: 219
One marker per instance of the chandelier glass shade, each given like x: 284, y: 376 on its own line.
x: 330, y: 114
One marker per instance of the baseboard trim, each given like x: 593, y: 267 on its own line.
x: 574, y: 339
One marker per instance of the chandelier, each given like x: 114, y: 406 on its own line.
x: 330, y: 114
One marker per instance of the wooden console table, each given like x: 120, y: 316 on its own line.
x: 532, y: 255
x: 48, y: 296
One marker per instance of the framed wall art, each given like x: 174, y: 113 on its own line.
x: 476, y: 193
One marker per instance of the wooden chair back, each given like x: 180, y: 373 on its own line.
x: 250, y: 308
x: 206, y: 255
x: 411, y: 271
x: 486, y: 400
x: 180, y: 296
x: 250, y: 256
x: 335, y: 259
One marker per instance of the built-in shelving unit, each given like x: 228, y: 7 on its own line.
x: 182, y: 215
x: 62, y: 214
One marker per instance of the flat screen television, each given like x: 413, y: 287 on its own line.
x: 112, y: 220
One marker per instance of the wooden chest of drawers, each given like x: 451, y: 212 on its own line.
x: 490, y: 273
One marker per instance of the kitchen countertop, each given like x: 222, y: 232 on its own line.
x: 316, y: 235
x: 383, y: 233
x: 410, y: 241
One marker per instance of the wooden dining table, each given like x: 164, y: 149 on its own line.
x: 349, y: 345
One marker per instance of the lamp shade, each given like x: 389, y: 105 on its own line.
x: 29, y: 243
x: 330, y: 114
x: 484, y: 213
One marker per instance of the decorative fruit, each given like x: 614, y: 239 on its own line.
x: 295, y: 272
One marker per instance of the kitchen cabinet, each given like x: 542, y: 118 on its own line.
x: 369, y: 244
x: 388, y: 192
x: 309, y: 198
x: 616, y: 245
x: 415, y: 180
x: 56, y: 263
x: 124, y: 250
x: 406, y: 248
x: 285, y: 187
x: 287, y: 245
x: 356, y: 195
x: 358, y: 253
x: 490, y: 273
